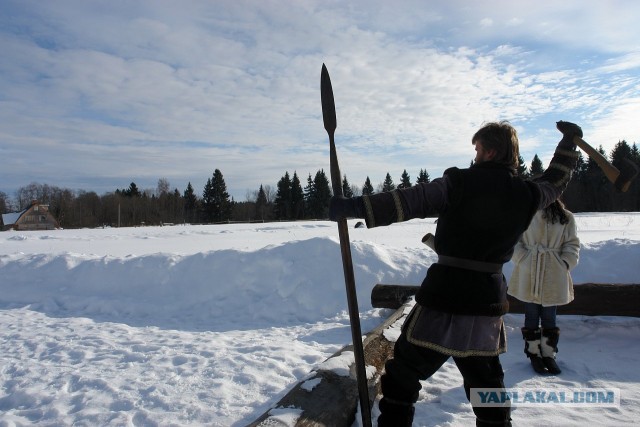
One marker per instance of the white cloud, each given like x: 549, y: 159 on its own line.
x: 486, y: 22
x: 151, y: 89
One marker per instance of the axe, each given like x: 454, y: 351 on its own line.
x: 621, y: 178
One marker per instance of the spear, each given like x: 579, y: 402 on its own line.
x: 329, y: 118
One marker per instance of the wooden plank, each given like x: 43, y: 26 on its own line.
x: 591, y: 299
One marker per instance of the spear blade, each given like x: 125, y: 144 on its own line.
x: 328, y: 103
x: 330, y: 124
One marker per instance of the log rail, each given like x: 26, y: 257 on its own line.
x: 591, y: 299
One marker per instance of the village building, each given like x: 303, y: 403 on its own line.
x: 35, y: 217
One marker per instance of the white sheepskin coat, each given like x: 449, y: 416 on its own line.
x: 543, y: 258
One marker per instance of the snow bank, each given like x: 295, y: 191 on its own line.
x: 210, y: 325
x: 290, y: 283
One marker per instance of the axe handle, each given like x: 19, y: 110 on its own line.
x: 611, y: 172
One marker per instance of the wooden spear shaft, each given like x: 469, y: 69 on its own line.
x: 330, y: 124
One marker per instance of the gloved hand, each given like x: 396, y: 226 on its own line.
x: 343, y: 207
x: 569, y: 130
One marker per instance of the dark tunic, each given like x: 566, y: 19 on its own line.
x: 482, y: 211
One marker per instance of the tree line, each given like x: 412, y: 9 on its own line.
x: 588, y: 191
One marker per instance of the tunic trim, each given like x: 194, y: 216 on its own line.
x: 456, y: 335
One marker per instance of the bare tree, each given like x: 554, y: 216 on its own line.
x: 4, y: 204
x: 163, y: 187
x: 251, y: 196
x: 269, y: 193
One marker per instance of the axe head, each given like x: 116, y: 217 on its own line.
x: 628, y: 171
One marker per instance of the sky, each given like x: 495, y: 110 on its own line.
x: 95, y: 95
x: 210, y: 325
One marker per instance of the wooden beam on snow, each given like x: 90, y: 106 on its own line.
x: 591, y: 299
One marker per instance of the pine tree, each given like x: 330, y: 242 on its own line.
x: 283, y: 198
x: 297, y: 198
x: 323, y: 194
x: 347, y: 191
x: 367, y: 188
x: 621, y: 155
x: 309, y: 197
x: 536, y: 166
x: 207, y: 201
x: 597, y: 187
x: 522, y: 168
x: 592, y: 166
x: 388, y: 184
x: 317, y: 194
x: 635, y: 157
x: 132, y: 191
x: 621, y: 151
x: 635, y: 154
x: 190, y: 204
x: 581, y: 167
x: 405, y: 180
x: 222, y: 196
x: 573, y: 196
x: 261, y: 204
x: 216, y: 202
x: 423, y: 176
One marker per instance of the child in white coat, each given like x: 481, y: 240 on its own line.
x: 542, y: 259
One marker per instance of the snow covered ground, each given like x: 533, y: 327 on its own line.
x: 211, y: 325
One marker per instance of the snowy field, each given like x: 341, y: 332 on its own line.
x: 211, y: 325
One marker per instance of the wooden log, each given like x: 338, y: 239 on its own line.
x: 391, y: 296
x: 591, y: 299
x: 333, y: 401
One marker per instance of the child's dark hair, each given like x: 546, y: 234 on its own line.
x: 556, y: 212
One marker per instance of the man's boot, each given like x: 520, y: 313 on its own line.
x: 394, y: 413
x: 532, y: 349
x: 549, y: 348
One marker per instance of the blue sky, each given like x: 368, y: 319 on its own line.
x: 97, y: 94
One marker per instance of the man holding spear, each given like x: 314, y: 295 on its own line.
x: 482, y: 210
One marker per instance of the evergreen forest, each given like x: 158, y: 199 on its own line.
x: 290, y: 199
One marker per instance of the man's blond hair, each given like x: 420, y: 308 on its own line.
x: 503, y: 138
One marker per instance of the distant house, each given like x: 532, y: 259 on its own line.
x: 35, y: 217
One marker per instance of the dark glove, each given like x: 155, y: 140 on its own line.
x: 569, y: 130
x: 343, y: 207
